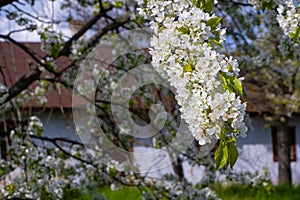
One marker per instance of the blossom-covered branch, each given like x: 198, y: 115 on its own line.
x: 184, y: 50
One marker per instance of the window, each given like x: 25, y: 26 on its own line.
x: 207, y: 149
x: 5, y: 127
x: 292, y: 137
x: 3, y: 145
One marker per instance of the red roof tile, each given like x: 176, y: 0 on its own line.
x: 15, y: 63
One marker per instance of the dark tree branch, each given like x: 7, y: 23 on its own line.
x: 237, y: 3
x: 22, y: 84
x: 89, y: 163
x: 57, y: 139
x: 30, y: 15
x: 66, y: 50
x: 294, y: 77
x: 6, y: 2
x: 25, y: 81
x: 110, y: 27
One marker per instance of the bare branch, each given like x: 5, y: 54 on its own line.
x: 237, y: 3
x: 22, y: 84
x: 57, y: 139
x: 6, y: 2
x: 66, y: 50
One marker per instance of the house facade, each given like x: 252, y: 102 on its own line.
x: 258, y: 149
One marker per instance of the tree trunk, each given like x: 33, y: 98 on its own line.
x: 3, y: 146
x: 283, y: 152
x: 178, y: 169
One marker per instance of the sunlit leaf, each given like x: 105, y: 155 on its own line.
x: 233, y: 154
x: 221, y: 156
x: 188, y: 67
x: 213, y: 22
x: 184, y: 30
x: 206, y: 5
x: 296, y: 34
x: 232, y: 83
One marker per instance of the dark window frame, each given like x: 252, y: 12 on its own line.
x: 6, y: 126
x: 292, y: 135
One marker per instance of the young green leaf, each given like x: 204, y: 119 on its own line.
x: 233, y: 154
x: 213, y: 22
x: 188, y: 67
x: 217, y: 42
x: 184, y: 30
x: 209, y: 5
x: 218, y: 157
x: 119, y: 4
x: 206, y: 5
x: 296, y: 34
x: 232, y: 83
x: 221, y: 156
x: 238, y: 85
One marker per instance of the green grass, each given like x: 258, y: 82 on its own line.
x: 123, y: 193
x: 232, y: 192
x: 238, y: 192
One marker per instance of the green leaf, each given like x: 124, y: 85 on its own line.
x: 71, y: 193
x: 232, y: 83
x: 217, y: 42
x: 46, y: 194
x: 188, y: 67
x: 197, y: 3
x: 238, y: 85
x: 206, y: 5
x: 267, y: 5
x: 225, y: 156
x: 224, y: 80
x: 296, y: 34
x: 221, y: 156
x: 2, y: 172
x: 213, y: 22
x: 119, y: 4
x: 39, y: 131
x: 209, y: 5
x: 43, y: 36
x: 233, y: 154
x: 82, y: 2
x: 218, y: 157
x: 184, y: 30
x: 55, y: 49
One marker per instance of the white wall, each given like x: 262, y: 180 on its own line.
x: 256, y: 155
x: 257, y: 152
x: 59, y: 125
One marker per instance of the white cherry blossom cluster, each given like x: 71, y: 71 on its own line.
x: 35, y: 126
x: 36, y: 166
x: 51, y: 40
x: 259, y: 3
x: 185, y: 52
x: 288, y: 17
x: 256, y: 4
x: 256, y: 179
x: 170, y: 187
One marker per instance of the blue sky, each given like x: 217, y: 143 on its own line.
x: 43, y: 9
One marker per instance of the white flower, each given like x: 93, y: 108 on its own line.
x: 181, y: 53
x: 288, y: 17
